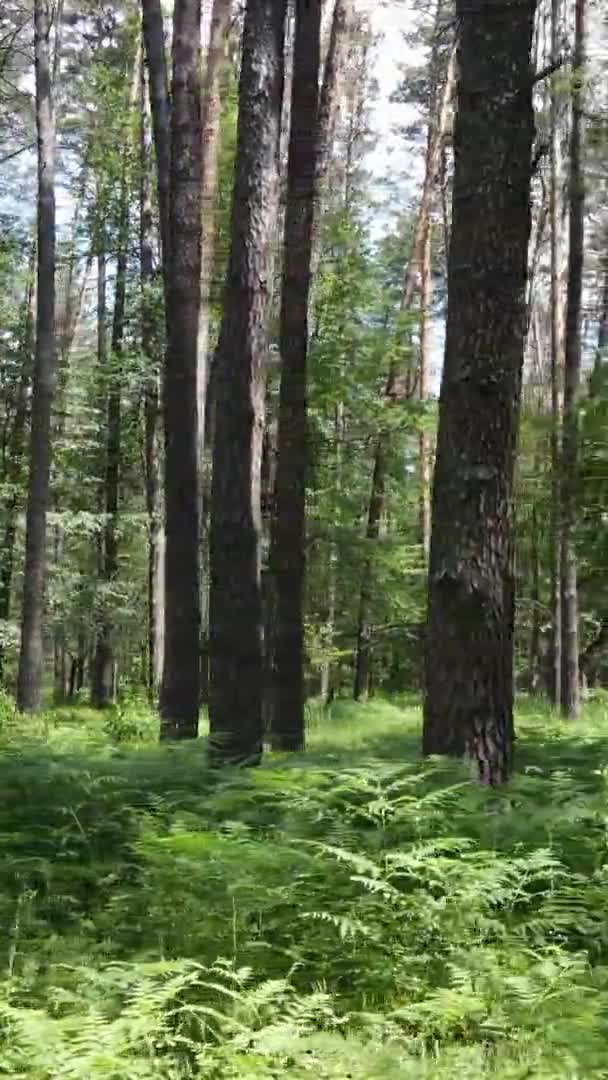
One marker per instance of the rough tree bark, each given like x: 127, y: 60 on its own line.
x: 570, y: 689
x: 31, y: 657
x: 468, y: 705
x: 236, y: 647
x: 179, y: 697
x: 288, y: 555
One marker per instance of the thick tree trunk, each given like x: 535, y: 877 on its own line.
x: 31, y: 658
x: 399, y: 385
x: 179, y: 698
x: 570, y: 695
x: 15, y: 446
x: 152, y: 415
x: 288, y: 556
x: 469, y: 648
x: 236, y: 648
x: 102, y: 680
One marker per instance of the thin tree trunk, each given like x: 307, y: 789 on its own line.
x: 399, y: 386
x: 102, y: 681
x: 556, y: 369
x: 288, y: 556
x: 236, y: 649
x: 570, y: 697
x: 15, y: 449
x: 210, y: 125
x: 180, y: 691
x: 31, y: 657
x: 153, y: 33
x: 332, y: 586
x: 468, y: 705
x: 424, y: 449
x: 535, y: 634
x: 152, y: 414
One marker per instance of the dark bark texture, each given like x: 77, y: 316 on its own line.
x: 289, y: 537
x: 469, y: 648
x: 29, y: 683
x: 179, y: 698
x: 236, y: 646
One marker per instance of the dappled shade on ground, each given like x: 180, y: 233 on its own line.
x: 352, y: 911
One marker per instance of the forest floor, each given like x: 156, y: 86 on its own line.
x: 353, y: 912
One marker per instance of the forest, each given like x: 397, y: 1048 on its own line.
x: 303, y: 539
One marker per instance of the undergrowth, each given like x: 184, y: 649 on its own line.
x: 354, y: 912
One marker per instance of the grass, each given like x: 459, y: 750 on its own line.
x: 351, y: 912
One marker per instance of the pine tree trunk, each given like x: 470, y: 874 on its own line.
x: 236, y: 648
x: 469, y: 647
x: 288, y: 556
x: 31, y: 657
x: 570, y: 695
x: 180, y: 691
x: 556, y: 370
x: 152, y: 416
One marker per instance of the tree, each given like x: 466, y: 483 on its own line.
x: 29, y: 686
x: 468, y: 705
x: 235, y: 605
x: 570, y: 694
x: 179, y: 698
x: 288, y: 557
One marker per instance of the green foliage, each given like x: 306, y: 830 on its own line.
x: 358, y: 912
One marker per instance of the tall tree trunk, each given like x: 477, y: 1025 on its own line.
x: 152, y: 413
x: 153, y: 33
x: 288, y: 556
x: 399, y: 385
x: 15, y: 447
x: 211, y: 114
x: 31, y: 657
x: 332, y: 585
x: 102, y: 677
x: 236, y: 648
x: 468, y: 705
x: 570, y: 696
x: 424, y: 449
x: 556, y: 371
x: 179, y: 698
